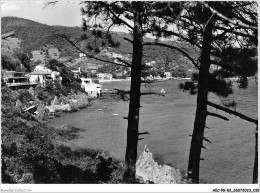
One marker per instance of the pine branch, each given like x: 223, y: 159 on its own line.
x: 50, y: 3
x: 144, y: 133
x: 239, y: 16
x: 77, y: 48
x: 128, y: 64
x: 237, y: 23
x: 220, y: 35
x: 206, y: 139
x: 122, y: 91
x: 170, y: 33
x: 175, y: 48
x: 127, y: 39
x: 208, y: 21
x: 147, y: 81
x: 240, y: 115
x: 231, y: 30
x: 218, y: 116
x: 122, y: 94
x: 253, y: 15
x: 116, y: 16
x: 150, y: 93
x: 144, y: 67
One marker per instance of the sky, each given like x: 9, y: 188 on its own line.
x: 62, y: 13
x: 65, y: 13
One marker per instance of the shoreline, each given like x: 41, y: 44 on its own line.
x: 169, y: 121
x: 154, y: 79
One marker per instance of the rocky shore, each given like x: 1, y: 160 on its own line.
x: 71, y: 103
x: 148, y: 171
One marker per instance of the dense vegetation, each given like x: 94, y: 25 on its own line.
x: 33, y: 152
x: 35, y: 35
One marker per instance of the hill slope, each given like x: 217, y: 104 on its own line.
x: 35, y: 35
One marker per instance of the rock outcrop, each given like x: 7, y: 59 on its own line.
x: 72, y: 102
x: 148, y: 171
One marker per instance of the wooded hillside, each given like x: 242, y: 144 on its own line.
x: 35, y: 35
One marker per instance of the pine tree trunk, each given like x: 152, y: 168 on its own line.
x: 134, y: 104
x: 255, y: 173
x: 201, y: 111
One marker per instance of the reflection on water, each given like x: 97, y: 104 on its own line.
x: 169, y: 120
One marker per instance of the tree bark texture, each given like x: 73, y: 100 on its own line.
x: 255, y: 173
x: 134, y: 104
x: 201, y: 109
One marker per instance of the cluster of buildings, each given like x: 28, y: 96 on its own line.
x: 40, y: 75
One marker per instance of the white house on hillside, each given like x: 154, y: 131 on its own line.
x: 151, y: 63
x: 93, y: 90
x: 104, y: 77
x: 167, y: 75
x: 76, y: 73
x: 42, y: 67
x: 42, y: 74
x: 116, y: 55
x: 82, y: 55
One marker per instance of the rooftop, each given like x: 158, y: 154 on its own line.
x: 12, y: 72
x: 39, y: 72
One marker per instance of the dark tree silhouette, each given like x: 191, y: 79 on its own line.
x: 211, y: 28
x: 219, y: 49
x: 231, y: 47
x: 137, y: 17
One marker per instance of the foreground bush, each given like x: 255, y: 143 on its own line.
x: 32, y: 152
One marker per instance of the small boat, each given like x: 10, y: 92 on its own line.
x: 100, y: 109
x: 162, y: 91
x: 115, y: 114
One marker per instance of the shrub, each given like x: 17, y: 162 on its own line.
x: 30, y: 156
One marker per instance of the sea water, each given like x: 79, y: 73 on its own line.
x: 169, y: 119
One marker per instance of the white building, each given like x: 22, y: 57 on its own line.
x: 86, y: 81
x: 93, y: 90
x: 116, y: 55
x: 76, y: 73
x: 16, y: 79
x: 42, y: 74
x: 167, y: 75
x: 42, y: 67
x: 82, y: 55
x: 151, y: 63
x: 104, y: 77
